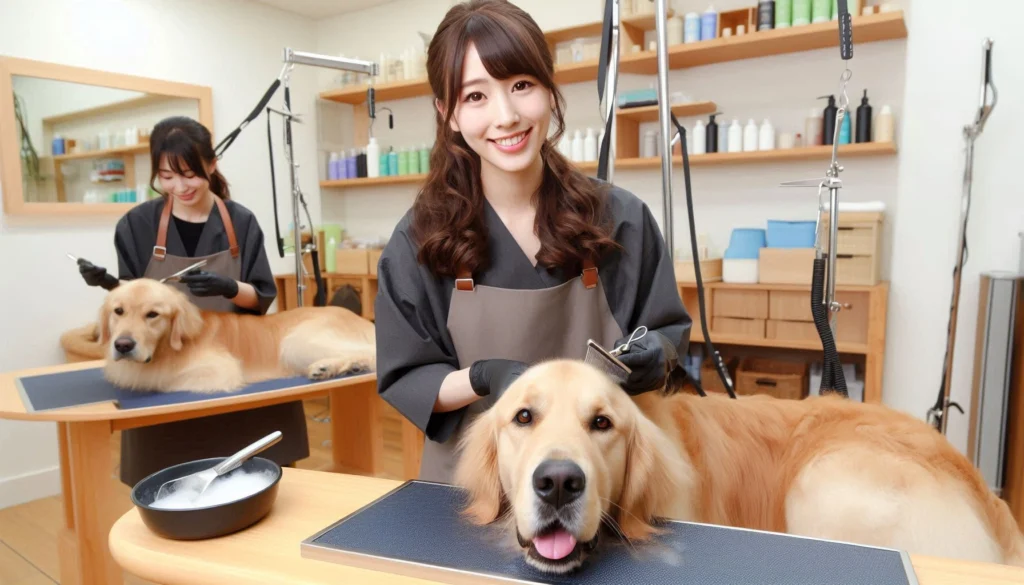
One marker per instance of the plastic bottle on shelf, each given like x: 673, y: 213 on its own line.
x: 332, y: 167
x: 590, y: 146
x: 373, y: 158
x: 425, y: 159
x: 699, y: 138
x: 392, y: 162
x: 766, y: 136
x: 750, y: 136
x: 577, y: 146
x: 735, y: 136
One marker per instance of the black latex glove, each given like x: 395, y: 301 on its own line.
x: 651, y: 358
x: 491, y: 378
x: 96, y: 275
x: 208, y: 284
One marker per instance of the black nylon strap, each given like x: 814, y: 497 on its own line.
x: 273, y: 190
x: 230, y: 138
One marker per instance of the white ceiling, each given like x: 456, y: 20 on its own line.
x: 322, y: 8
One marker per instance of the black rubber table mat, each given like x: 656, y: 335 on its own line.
x: 79, y: 387
x: 416, y: 530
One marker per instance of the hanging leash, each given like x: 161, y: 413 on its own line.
x: 607, y: 87
x: 938, y: 414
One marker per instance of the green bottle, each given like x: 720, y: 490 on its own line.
x: 424, y: 159
x: 783, y: 13
x: 821, y: 11
x: 801, y: 12
x: 384, y: 171
x: 403, y: 162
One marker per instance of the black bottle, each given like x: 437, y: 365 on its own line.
x: 361, y: 165
x: 765, y: 14
x: 828, y: 122
x: 864, y: 120
x: 711, y: 137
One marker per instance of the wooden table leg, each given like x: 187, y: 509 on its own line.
x: 356, y: 439
x: 88, y: 498
x: 412, y: 450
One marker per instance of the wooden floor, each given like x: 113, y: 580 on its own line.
x: 28, y: 533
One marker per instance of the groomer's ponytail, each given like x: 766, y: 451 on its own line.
x: 188, y: 146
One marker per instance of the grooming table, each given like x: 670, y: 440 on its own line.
x: 416, y: 530
x: 92, y: 498
x: 270, y: 552
x: 82, y: 387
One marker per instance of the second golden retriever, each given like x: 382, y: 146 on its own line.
x: 565, y: 451
x: 158, y: 340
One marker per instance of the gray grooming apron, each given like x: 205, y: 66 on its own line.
x: 527, y: 325
x: 146, y: 450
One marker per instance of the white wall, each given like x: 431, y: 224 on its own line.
x: 944, y: 67
x: 232, y: 46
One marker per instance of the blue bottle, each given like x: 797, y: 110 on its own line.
x: 709, y: 24
x: 844, y: 130
x: 350, y: 165
x: 393, y: 163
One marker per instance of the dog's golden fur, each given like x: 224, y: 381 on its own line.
x: 180, y: 347
x: 823, y: 467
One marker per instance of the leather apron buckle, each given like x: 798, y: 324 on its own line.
x: 465, y: 284
x: 589, y: 277
x: 159, y: 252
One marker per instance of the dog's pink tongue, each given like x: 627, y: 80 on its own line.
x: 555, y: 545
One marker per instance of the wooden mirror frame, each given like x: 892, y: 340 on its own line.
x: 10, y: 161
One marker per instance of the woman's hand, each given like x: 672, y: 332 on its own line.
x: 210, y: 284
x: 96, y: 275
x: 492, y: 377
x: 650, y: 358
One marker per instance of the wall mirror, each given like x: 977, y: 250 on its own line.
x: 76, y: 141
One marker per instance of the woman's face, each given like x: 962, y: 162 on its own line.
x: 187, y: 188
x: 505, y: 121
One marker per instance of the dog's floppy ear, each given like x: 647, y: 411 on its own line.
x: 187, y: 323
x: 477, y: 469
x: 653, y: 478
x: 104, y: 322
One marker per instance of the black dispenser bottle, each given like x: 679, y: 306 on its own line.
x: 864, y: 119
x: 711, y: 137
x: 828, y: 122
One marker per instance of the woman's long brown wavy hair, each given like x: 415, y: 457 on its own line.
x: 448, y: 215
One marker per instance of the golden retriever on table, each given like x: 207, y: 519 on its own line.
x: 159, y: 340
x: 565, y: 450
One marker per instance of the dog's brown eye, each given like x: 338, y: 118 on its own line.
x: 152, y: 315
x: 119, y: 311
x: 601, y: 423
x: 524, y: 417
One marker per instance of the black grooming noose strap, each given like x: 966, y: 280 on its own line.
x: 602, y: 76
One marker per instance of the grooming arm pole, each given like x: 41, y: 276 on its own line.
x: 664, y: 117
x: 292, y: 58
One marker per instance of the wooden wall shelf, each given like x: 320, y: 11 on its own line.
x: 650, y: 113
x: 116, y: 152
x: 866, y: 29
x: 718, y: 158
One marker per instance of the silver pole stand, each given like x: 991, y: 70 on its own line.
x: 937, y: 415
x: 664, y: 118
x: 611, y: 88
x: 292, y: 58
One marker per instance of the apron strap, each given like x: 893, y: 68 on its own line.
x: 160, y: 249
x: 464, y: 278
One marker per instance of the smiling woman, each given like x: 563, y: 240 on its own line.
x: 561, y: 258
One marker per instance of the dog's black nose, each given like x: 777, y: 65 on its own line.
x: 558, y: 482
x: 124, y: 344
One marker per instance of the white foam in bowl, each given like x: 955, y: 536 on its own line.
x: 231, y: 488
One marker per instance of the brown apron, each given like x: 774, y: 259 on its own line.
x: 528, y: 325
x: 146, y: 450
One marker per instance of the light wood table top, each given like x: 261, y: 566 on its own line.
x: 12, y: 406
x: 309, y: 501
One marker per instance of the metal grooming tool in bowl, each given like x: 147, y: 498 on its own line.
x: 199, y: 481
x: 607, y: 360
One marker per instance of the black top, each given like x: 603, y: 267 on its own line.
x: 189, y: 232
x: 414, y: 348
x: 135, y: 237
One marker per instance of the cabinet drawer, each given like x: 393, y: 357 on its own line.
x: 788, y: 305
x: 743, y: 304
x: 791, y: 330
x: 733, y: 327
x: 852, y: 324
